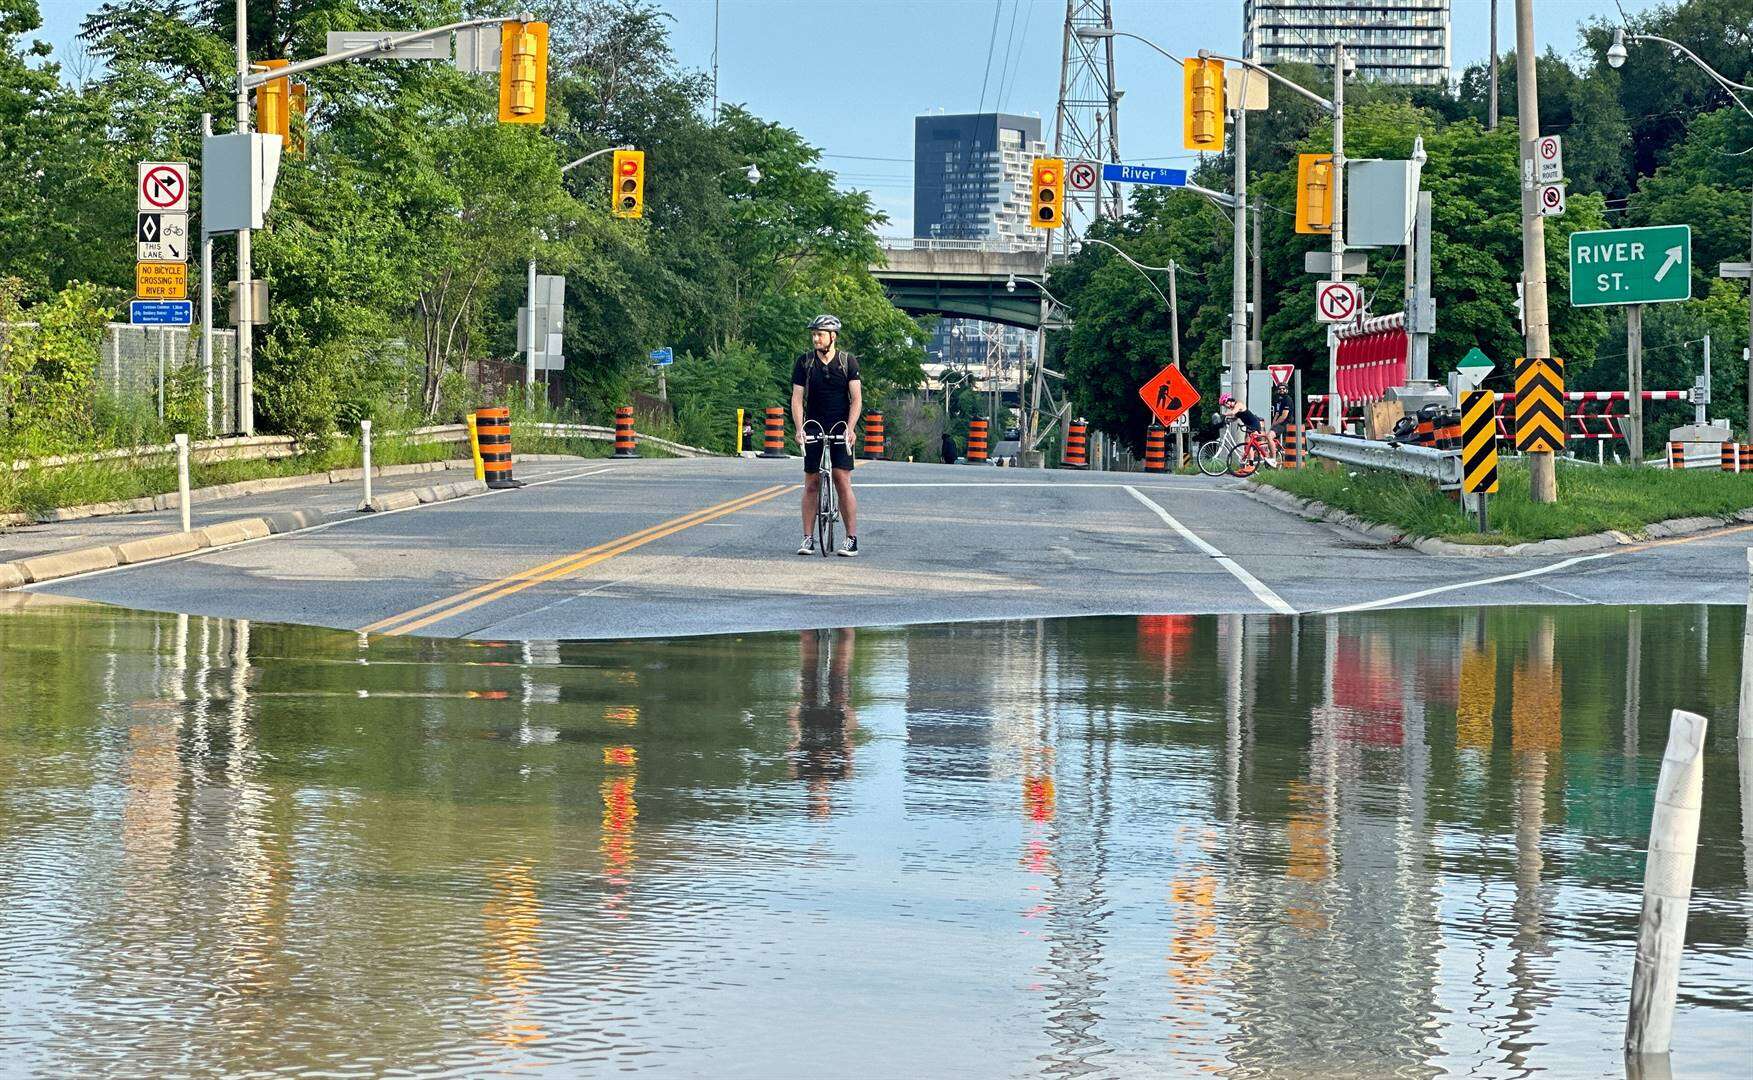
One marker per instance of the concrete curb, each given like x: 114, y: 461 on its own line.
x: 1313, y: 510
x: 62, y: 564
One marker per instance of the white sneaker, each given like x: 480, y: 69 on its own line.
x: 848, y: 547
x: 808, y: 547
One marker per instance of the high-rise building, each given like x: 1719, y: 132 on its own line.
x: 1392, y: 41
x: 971, y: 182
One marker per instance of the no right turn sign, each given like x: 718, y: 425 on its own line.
x: 1337, y: 301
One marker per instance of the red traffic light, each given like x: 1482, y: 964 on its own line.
x: 628, y: 168
x: 1048, y: 177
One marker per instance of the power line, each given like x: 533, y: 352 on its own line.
x: 991, y: 43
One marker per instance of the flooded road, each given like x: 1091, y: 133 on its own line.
x: 1405, y: 843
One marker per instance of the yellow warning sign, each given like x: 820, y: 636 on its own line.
x: 1540, y: 405
x: 1479, y: 441
x: 161, y: 280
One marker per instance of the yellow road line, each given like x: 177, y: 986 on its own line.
x: 426, y: 615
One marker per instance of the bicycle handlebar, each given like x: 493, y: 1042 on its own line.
x: 839, y: 428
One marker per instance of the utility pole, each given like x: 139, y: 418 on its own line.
x: 1175, y: 353
x: 1259, y: 279
x: 529, y: 367
x: 246, y: 376
x: 1338, y: 234
x: 1542, y: 470
x: 1491, y: 106
x: 1239, y: 265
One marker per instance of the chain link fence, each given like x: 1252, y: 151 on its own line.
x: 140, y: 361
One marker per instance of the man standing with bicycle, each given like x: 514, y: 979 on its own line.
x: 825, y: 389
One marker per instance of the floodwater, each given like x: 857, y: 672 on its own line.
x: 1405, y: 843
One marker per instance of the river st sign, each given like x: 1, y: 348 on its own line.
x: 1650, y: 265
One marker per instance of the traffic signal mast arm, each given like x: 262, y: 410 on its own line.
x: 385, y: 45
x: 1207, y: 54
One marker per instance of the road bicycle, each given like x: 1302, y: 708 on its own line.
x: 828, y: 500
x: 1213, y: 457
x: 1253, y: 455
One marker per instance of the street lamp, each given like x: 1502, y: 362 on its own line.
x: 1239, y: 141
x: 1616, y: 56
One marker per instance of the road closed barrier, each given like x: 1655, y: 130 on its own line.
x: 1077, y: 447
x: 873, y: 435
x: 493, y: 430
x: 773, y: 441
x: 1156, y: 457
x: 626, y: 442
x: 976, y: 442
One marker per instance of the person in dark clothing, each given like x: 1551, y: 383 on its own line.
x: 825, y: 388
x: 949, y: 449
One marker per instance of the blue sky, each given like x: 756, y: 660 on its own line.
x: 851, y: 75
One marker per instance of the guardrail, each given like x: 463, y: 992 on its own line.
x: 1442, y: 466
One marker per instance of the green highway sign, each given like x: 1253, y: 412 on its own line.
x: 1651, y: 265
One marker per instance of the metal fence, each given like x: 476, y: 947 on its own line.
x: 140, y: 361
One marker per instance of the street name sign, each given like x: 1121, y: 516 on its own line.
x: 1169, y: 395
x: 161, y: 280
x: 1549, y: 160
x: 1337, y: 301
x: 161, y: 312
x: 164, y: 185
x: 1651, y: 265
x: 663, y: 357
x: 1143, y: 174
x: 436, y: 47
x: 161, y: 237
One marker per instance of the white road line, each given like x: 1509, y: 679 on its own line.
x: 43, y: 585
x: 1255, y: 585
x: 1422, y: 593
x: 1039, y: 484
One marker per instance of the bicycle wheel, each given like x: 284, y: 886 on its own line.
x: 826, y: 514
x: 1242, y: 462
x: 1212, y: 458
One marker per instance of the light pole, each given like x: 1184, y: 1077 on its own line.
x: 1616, y: 55
x: 1239, y: 278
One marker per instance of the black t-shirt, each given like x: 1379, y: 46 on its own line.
x: 827, y: 397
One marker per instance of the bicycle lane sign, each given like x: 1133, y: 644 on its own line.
x: 1337, y: 301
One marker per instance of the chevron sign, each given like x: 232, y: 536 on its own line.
x: 1540, y: 405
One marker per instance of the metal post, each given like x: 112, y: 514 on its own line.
x: 1699, y: 406
x: 1744, y: 729
x: 1750, y: 331
x: 1259, y: 290
x: 1667, y: 887
x: 246, y: 376
x: 1542, y: 471
x: 1175, y: 353
x: 1337, y: 236
x: 529, y: 368
x: 182, y: 441
x: 1418, y: 297
x: 365, y: 456
x: 1239, y: 264
x: 163, y: 344
x: 1491, y: 106
x: 1634, y: 375
x: 207, y: 302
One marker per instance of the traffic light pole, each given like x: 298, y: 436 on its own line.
x: 1335, y: 411
x: 1542, y: 470
x: 246, y: 379
x: 1239, y: 267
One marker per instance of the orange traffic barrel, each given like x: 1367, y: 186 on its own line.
x: 873, y: 435
x: 1731, y: 457
x: 976, y: 442
x: 493, y: 429
x: 1077, y: 446
x: 1156, y: 458
x: 626, y: 442
x: 1293, y: 446
x: 1676, y: 455
x: 773, y: 442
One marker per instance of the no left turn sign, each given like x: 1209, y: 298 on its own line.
x: 1081, y: 176
x: 164, y: 185
x: 1337, y: 301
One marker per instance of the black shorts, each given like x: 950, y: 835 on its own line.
x: 839, y: 455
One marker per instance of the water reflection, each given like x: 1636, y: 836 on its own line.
x: 1402, y: 843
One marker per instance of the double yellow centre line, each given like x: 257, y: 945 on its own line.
x: 439, y: 610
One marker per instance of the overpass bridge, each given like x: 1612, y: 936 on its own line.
x: 966, y: 279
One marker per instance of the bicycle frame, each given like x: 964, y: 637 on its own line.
x: 827, y: 498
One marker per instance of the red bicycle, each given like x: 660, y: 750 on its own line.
x: 1254, y: 454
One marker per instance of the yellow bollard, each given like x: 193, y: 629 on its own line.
x: 739, y: 433
x: 475, y: 448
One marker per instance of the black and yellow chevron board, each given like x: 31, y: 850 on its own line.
x: 1540, y: 405
x: 1479, y: 442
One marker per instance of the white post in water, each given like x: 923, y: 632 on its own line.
x: 183, y: 477
x: 365, y: 449
x: 1667, y: 887
x: 1745, y: 730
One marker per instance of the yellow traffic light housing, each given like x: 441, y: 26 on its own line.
x: 297, y: 106
x: 1202, y: 104
x: 1314, y: 193
x: 523, y: 72
x: 628, y: 183
x: 273, y: 105
x: 1047, y: 193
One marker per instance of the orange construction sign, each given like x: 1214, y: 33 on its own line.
x: 1169, y: 395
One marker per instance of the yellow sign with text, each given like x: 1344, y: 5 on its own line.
x: 161, y: 280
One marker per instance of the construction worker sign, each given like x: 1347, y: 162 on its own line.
x: 1168, y: 395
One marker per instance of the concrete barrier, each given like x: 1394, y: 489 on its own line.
x: 400, y: 500
x: 66, y: 563
x: 234, y: 532
x: 292, y: 520
x: 162, y: 546
x: 12, y: 576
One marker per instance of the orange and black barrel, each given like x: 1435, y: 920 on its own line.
x: 1156, y: 458
x: 1731, y: 456
x: 493, y: 429
x: 873, y: 435
x: 1077, y: 445
x: 626, y: 442
x: 1676, y: 455
x: 1293, y: 446
x: 976, y: 442
x: 773, y: 441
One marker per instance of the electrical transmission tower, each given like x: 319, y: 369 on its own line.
x: 1087, y: 125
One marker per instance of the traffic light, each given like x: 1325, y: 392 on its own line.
x: 1047, y: 193
x: 297, y: 103
x: 628, y: 180
x: 1314, y: 193
x: 272, y: 103
x: 1202, y: 103
x: 523, y: 72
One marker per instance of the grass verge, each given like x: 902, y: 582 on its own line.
x: 1590, y: 500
